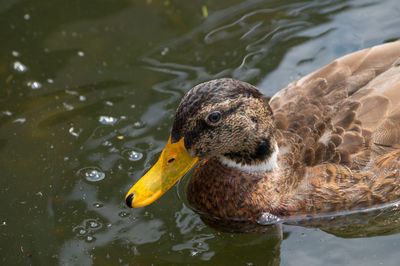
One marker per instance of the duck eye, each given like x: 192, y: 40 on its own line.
x: 214, y: 117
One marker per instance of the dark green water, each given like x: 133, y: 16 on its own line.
x: 88, y: 90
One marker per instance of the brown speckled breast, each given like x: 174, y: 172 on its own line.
x: 225, y: 193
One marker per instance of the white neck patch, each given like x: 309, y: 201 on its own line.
x: 265, y: 166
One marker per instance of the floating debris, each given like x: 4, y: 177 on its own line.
x: 204, y: 11
x: 109, y: 103
x: 68, y: 106
x: 75, y: 133
x: 15, y: 53
x: 20, y: 120
x: 113, y: 150
x: 164, y: 51
x: 71, y: 92
x: 80, y: 53
x: 7, y: 113
x: 82, y: 98
x: 27, y: 16
x: 50, y: 81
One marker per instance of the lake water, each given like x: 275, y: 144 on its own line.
x: 88, y: 91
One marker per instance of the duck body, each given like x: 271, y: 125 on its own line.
x: 233, y: 195
x: 328, y: 142
x: 338, y: 133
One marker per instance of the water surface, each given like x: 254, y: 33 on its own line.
x: 88, y: 91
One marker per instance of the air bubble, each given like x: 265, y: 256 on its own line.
x: 98, y: 205
x: 91, y: 174
x: 106, y: 143
x: 134, y: 156
x: 94, y: 224
x: 94, y: 175
x: 267, y: 218
x: 34, y: 85
x: 123, y: 214
x: 20, y: 67
x: 107, y: 120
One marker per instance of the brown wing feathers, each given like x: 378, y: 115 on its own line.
x: 354, y: 101
x: 344, y: 121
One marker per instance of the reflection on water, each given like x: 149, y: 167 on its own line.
x: 378, y: 221
x: 87, y: 97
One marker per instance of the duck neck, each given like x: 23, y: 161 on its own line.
x: 264, y: 158
x: 221, y: 191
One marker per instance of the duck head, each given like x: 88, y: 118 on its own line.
x: 223, y: 118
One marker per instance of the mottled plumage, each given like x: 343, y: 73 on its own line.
x: 338, y: 132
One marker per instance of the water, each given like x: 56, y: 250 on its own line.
x: 65, y: 65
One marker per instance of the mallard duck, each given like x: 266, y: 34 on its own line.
x: 328, y: 142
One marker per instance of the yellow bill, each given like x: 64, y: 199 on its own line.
x: 174, y: 163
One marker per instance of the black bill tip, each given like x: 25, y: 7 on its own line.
x: 129, y: 200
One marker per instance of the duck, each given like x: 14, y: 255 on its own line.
x: 327, y: 143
